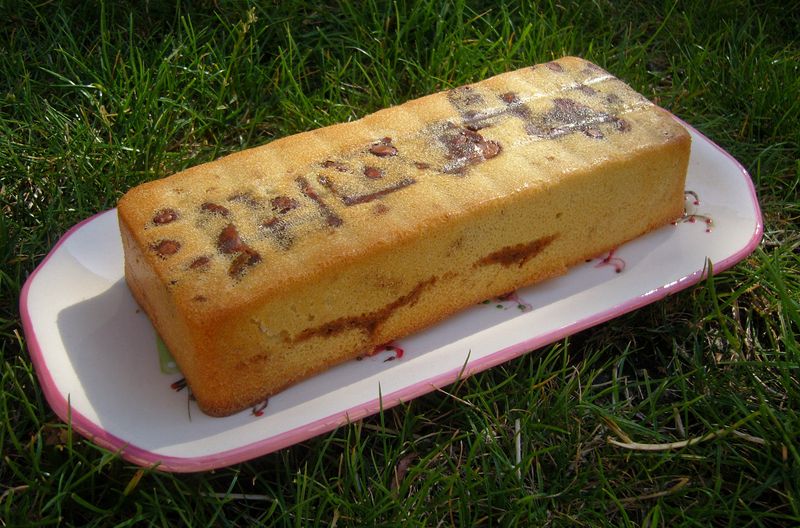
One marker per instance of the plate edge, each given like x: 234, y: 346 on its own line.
x: 95, y: 433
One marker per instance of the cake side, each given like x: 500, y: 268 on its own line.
x: 275, y: 263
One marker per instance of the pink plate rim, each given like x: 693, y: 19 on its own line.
x: 94, y: 432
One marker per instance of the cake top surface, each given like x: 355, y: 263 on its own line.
x: 299, y: 205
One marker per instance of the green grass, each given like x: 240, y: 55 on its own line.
x: 96, y: 98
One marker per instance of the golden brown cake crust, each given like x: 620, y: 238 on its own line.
x: 266, y: 266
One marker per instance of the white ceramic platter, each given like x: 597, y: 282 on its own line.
x: 98, y: 360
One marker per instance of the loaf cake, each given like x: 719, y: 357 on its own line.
x: 267, y: 266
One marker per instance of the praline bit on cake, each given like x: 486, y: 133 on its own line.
x: 373, y: 173
x: 248, y: 257
x: 593, y: 132
x: 200, y: 263
x: 621, y: 124
x: 554, y: 66
x: 246, y: 198
x: 466, y: 147
x: 339, y: 166
x: 278, y: 228
x: 213, y: 208
x: 383, y: 150
x: 166, y: 248
x: 283, y: 204
x: 165, y: 216
x: 340, y: 239
x: 509, y: 97
x: 228, y: 240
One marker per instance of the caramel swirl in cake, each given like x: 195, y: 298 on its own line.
x: 331, y: 218
x: 368, y: 322
x: 517, y: 254
x: 569, y: 116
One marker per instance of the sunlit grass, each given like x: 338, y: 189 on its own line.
x: 96, y: 98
